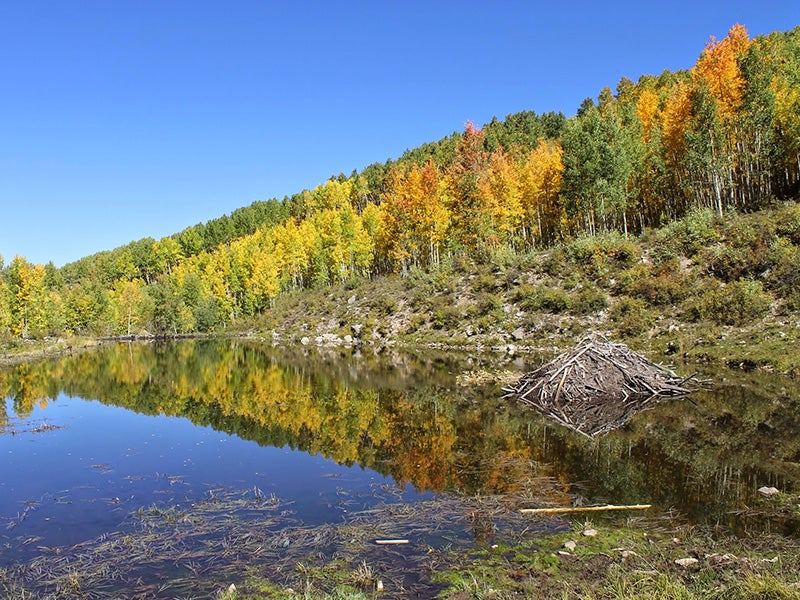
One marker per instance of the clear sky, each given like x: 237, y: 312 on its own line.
x: 121, y: 119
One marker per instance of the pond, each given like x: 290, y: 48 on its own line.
x: 197, y: 462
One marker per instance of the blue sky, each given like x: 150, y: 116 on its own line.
x: 121, y: 119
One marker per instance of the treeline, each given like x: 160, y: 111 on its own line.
x: 723, y: 135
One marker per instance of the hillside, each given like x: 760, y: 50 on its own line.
x: 703, y: 289
x: 567, y: 223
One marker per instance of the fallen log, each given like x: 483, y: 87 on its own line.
x: 575, y: 509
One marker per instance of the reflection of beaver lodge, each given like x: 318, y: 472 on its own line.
x: 597, y: 387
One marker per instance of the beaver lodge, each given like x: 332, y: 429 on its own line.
x: 597, y: 387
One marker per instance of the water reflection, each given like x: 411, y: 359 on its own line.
x: 405, y: 416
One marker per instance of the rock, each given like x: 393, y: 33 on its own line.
x: 348, y: 339
x: 518, y: 333
x: 469, y: 331
x: 510, y: 349
x: 570, y: 545
x: 686, y: 562
x: 305, y: 340
x: 590, y: 532
x: 356, y: 329
x: 768, y: 491
x: 351, y: 299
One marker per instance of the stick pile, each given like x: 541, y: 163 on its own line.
x: 597, y: 387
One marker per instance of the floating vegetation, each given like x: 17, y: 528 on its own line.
x: 194, y: 549
x: 28, y: 427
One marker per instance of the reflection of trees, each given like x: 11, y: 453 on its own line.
x: 706, y: 457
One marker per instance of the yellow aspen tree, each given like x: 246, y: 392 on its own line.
x: 502, y: 193
x: 127, y: 300
x: 647, y: 111
x: 718, y: 68
x: 541, y: 175
x: 674, y: 120
x: 431, y: 213
x: 394, y: 240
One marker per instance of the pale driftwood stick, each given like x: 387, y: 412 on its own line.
x: 568, y: 509
x: 560, y: 385
x: 388, y: 542
x: 574, y: 509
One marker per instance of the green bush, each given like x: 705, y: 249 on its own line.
x: 522, y: 292
x: 666, y: 289
x: 489, y: 303
x: 547, y: 299
x: 735, y: 303
x: 787, y: 222
x: 697, y: 230
x: 485, y: 282
x: 631, y: 317
x: 784, y: 276
x: 384, y: 305
x: 587, y: 299
x: 600, y: 254
x: 444, y: 314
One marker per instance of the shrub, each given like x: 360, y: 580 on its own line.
x: 588, y: 299
x: 444, y: 314
x: 735, y: 303
x: 384, y: 305
x: 600, y: 253
x: 787, y: 222
x: 665, y: 289
x: 545, y: 298
x: 784, y: 277
x: 692, y: 233
x: 522, y: 293
x: 485, y: 282
x: 489, y: 303
x: 631, y: 317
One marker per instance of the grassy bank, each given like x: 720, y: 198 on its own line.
x: 17, y: 351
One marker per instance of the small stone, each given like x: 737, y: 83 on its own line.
x: 686, y: 562
x: 768, y: 491
x: 570, y: 545
x: 379, y: 586
x: 348, y: 339
x: 232, y: 588
x: 562, y: 553
x: 590, y: 532
x: 518, y: 333
x: 351, y: 299
x: 628, y: 554
x: 305, y: 340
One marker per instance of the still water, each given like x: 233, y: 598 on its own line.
x: 89, y: 440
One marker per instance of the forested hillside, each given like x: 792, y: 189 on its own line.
x: 724, y: 135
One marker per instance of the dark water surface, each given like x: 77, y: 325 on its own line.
x: 88, y: 440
